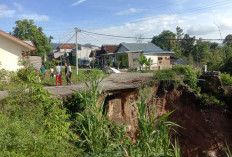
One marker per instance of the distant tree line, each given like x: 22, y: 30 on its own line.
x: 217, y: 57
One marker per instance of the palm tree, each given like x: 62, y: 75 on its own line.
x: 142, y: 61
x: 148, y: 62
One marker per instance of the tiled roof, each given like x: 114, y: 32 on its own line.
x: 109, y: 48
x: 67, y: 46
x: 17, y: 40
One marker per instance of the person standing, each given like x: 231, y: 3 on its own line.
x: 42, y: 69
x: 58, y: 74
x: 70, y: 73
x: 66, y: 70
x: 52, y: 72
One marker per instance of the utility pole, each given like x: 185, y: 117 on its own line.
x: 76, y: 30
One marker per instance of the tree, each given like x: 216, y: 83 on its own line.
x: 179, y: 33
x: 187, y: 44
x: 50, y: 39
x: 27, y: 30
x: 142, y: 61
x: 148, y: 63
x: 228, y: 40
x: 201, y: 52
x: 166, y: 40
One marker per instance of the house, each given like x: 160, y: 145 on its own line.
x: 127, y: 54
x: 12, y: 49
x: 65, y: 47
x: 102, y: 55
x: 83, y: 53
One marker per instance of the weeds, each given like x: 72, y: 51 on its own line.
x: 228, y: 153
x: 153, y: 138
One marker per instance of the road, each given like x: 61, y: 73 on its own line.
x: 114, y: 82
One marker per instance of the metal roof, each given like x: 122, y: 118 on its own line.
x: 145, y: 47
x: 29, y: 42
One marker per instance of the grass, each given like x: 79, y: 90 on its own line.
x: 83, y: 75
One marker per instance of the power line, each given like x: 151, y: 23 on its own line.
x: 129, y: 37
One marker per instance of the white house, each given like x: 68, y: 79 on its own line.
x: 83, y: 52
x: 11, y: 49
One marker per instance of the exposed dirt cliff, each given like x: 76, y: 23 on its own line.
x: 204, y: 129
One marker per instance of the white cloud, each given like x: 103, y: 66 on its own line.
x: 35, y: 17
x: 78, y: 2
x: 18, y: 6
x: 129, y: 11
x: 197, y: 24
x: 202, y: 29
x: 5, y: 12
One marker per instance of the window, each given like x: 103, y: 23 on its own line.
x: 160, y: 58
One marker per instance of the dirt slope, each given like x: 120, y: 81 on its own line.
x: 204, y: 129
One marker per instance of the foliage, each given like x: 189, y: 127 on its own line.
x: 226, y: 79
x: 29, y: 76
x: 142, y: 60
x: 149, y: 62
x: 27, y: 30
x: 179, y: 73
x: 33, y: 124
x: 49, y: 64
x: 82, y: 76
x: 98, y: 136
x: 190, y: 75
x: 228, y: 40
x: 207, y: 100
x: 228, y: 152
x: 165, y: 40
x: 153, y: 137
x: 187, y: 44
x: 201, y: 53
x: 165, y: 74
x: 227, y: 66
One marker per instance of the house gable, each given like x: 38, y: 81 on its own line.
x: 121, y: 49
x: 11, y: 48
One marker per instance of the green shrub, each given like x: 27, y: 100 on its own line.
x: 49, y: 64
x: 165, y: 74
x: 27, y: 75
x: 207, y: 100
x: 190, y: 75
x: 33, y: 124
x: 180, y: 73
x: 226, y: 79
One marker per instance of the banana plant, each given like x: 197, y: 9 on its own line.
x: 142, y: 61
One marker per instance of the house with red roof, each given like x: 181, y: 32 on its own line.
x: 102, y: 55
x: 65, y: 47
x: 12, y: 49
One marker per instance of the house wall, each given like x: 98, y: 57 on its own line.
x: 154, y: 58
x: 132, y: 59
x: 10, y: 52
x: 83, y: 53
x: 164, y: 61
x: 65, y: 50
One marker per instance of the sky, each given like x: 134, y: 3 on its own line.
x: 208, y: 19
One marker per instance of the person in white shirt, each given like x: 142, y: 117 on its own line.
x: 58, y: 74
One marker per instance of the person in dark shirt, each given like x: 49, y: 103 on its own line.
x: 67, y: 74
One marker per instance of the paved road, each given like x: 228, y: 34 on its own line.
x: 113, y: 82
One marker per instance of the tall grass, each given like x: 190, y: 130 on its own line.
x: 98, y: 136
x: 228, y: 153
x: 153, y: 138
